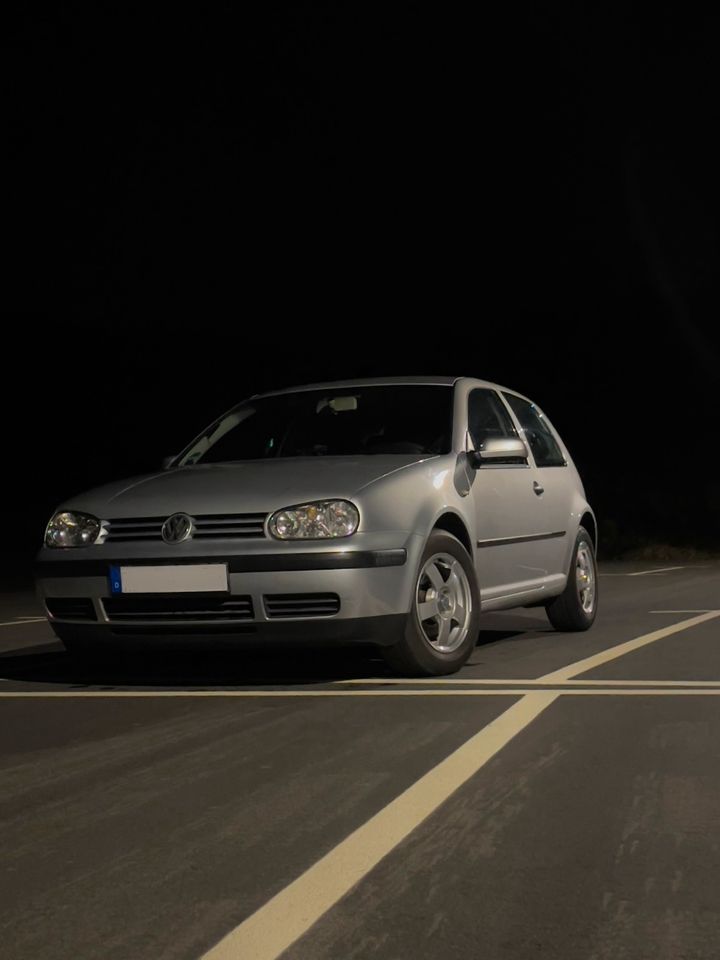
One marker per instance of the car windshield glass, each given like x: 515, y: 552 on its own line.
x: 348, y: 421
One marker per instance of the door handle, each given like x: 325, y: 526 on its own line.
x: 538, y: 488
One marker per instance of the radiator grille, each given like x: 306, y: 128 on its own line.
x: 231, y: 526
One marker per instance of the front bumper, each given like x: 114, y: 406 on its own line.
x: 380, y: 631
x: 372, y: 587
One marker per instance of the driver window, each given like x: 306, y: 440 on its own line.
x: 487, y: 418
x: 538, y: 434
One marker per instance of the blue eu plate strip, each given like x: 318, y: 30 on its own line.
x: 115, y: 580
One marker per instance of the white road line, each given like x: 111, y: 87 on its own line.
x: 680, y: 611
x: 19, y: 623
x: 612, y: 653
x: 149, y: 694
x: 514, y: 682
x: 638, y: 688
x: 640, y: 692
x: 643, y: 573
x: 291, y: 912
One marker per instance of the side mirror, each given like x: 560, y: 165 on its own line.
x: 499, y: 450
x: 167, y: 462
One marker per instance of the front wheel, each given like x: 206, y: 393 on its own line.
x: 442, y: 626
x: 576, y: 606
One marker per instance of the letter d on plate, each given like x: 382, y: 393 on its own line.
x: 115, y: 580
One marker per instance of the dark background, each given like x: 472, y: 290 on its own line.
x: 205, y: 205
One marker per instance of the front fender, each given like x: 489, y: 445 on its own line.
x: 412, y: 500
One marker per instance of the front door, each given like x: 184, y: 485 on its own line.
x: 510, y: 515
x: 555, y: 477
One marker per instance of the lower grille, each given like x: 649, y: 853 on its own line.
x: 183, y: 607
x: 71, y: 608
x: 280, y: 605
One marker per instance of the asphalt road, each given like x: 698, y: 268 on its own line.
x: 559, y: 798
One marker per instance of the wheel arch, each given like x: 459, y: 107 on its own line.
x: 588, y: 522
x: 455, y: 525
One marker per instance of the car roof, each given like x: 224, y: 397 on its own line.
x: 380, y: 381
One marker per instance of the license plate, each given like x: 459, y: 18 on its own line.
x: 180, y: 578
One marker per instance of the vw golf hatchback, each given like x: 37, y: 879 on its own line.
x: 389, y: 511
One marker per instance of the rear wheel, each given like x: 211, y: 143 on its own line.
x: 576, y: 606
x: 442, y: 626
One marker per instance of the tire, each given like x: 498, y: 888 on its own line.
x: 441, y: 643
x: 574, y: 609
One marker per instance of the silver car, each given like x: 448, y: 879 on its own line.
x: 389, y: 511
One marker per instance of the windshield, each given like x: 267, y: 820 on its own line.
x: 349, y: 421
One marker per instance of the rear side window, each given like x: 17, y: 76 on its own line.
x: 487, y: 418
x: 538, y: 434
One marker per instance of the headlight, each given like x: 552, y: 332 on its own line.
x: 322, y: 520
x: 72, y: 530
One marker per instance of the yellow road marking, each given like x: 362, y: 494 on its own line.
x: 291, y: 912
x: 612, y: 653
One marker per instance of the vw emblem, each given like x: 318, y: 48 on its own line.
x: 177, y: 528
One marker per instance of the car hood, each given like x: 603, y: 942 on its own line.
x: 253, y: 486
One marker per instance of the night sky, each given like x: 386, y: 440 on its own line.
x: 205, y: 206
